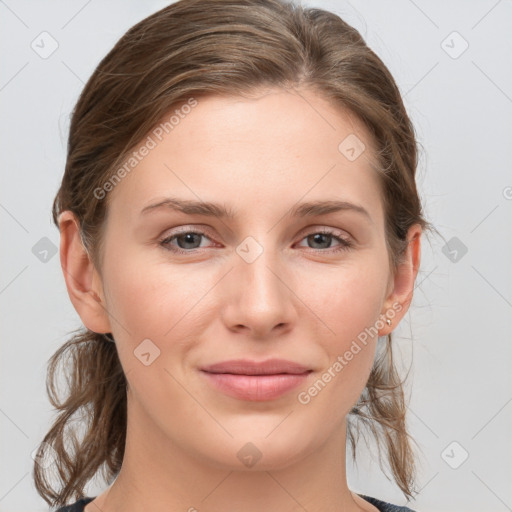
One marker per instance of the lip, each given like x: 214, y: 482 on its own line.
x: 249, y: 367
x: 256, y: 381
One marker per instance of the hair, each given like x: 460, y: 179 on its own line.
x: 184, y: 51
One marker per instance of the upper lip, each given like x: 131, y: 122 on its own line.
x: 249, y: 367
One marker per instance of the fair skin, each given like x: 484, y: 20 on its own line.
x: 298, y: 300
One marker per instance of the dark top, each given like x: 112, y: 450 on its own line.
x: 79, y: 505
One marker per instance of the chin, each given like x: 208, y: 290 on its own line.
x: 259, y: 452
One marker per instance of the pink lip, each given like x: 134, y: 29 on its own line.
x: 256, y: 381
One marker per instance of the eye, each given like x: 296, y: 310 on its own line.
x: 186, y: 241
x: 325, y: 237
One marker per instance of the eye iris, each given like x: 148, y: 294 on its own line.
x: 317, y: 239
x: 188, y: 240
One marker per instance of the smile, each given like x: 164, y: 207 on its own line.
x: 256, y: 381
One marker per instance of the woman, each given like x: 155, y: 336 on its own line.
x: 240, y: 234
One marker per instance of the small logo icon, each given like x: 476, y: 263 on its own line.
x: 249, y: 250
x: 44, y: 45
x: 454, y: 45
x: 44, y: 250
x: 146, y: 352
x: 454, y: 455
x: 454, y: 249
x: 351, y: 147
x: 248, y: 455
x: 48, y: 457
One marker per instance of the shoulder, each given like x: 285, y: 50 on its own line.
x: 383, y: 506
x: 78, y: 506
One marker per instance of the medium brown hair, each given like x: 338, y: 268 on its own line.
x: 216, y: 47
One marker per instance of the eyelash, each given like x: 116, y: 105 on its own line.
x: 345, y: 244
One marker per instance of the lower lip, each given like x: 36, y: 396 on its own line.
x: 256, y: 387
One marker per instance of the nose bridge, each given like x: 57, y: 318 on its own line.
x: 261, y: 297
x: 258, y: 266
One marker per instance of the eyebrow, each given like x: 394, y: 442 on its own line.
x: 307, y: 209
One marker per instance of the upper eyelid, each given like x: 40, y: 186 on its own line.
x: 180, y: 231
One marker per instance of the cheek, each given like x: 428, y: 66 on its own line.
x: 148, y: 297
x: 348, y: 300
x: 151, y: 309
x: 351, y: 311
x: 349, y: 303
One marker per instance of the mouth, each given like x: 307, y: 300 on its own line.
x: 256, y: 381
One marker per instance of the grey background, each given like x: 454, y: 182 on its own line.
x: 457, y: 335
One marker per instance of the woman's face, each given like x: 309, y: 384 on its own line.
x: 260, y: 283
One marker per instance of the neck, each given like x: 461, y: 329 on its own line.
x: 158, y: 475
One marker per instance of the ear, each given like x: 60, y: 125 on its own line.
x: 82, y: 280
x: 401, y: 287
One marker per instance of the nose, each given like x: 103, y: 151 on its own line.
x: 261, y: 298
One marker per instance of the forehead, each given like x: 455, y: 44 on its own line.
x: 270, y: 150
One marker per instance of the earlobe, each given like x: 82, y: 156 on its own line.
x: 82, y: 280
x: 398, y: 301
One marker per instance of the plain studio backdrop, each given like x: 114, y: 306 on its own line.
x: 452, y: 63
